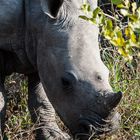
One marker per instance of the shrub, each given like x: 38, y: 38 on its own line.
x: 121, y: 28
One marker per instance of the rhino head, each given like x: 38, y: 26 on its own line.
x: 72, y: 72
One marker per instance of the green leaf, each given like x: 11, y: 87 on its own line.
x: 127, y: 32
x: 133, y: 38
x: 120, y: 6
x: 84, y: 17
x: 96, y: 12
x: 120, y: 42
x: 116, y: 2
x: 86, y: 8
x: 133, y: 17
x: 109, y: 24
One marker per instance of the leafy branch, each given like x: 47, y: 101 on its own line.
x: 123, y: 35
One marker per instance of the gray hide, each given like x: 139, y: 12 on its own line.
x: 59, y: 52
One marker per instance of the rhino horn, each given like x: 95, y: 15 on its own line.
x: 112, y: 100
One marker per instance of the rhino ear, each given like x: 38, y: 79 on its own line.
x: 51, y: 7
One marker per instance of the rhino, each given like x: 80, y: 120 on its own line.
x: 59, y: 52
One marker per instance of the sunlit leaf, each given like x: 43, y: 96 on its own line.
x: 96, y: 12
x: 134, y: 7
x: 109, y: 24
x: 121, y: 5
x: 116, y: 2
x: 85, y: 7
x: 133, y: 17
x: 127, y: 3
x: 84, y: 17
x: 127, y: 32
x: 138, y: 12
x: 133, y: 37
x: 124, y: 12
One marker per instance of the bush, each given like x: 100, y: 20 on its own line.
x: 121, y: 27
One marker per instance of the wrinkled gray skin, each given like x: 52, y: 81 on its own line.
x: 48, y: 42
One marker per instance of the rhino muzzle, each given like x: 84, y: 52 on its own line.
x: 97, y: 124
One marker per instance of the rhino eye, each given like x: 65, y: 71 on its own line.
x: 99, y: 78
x: 69, y: 80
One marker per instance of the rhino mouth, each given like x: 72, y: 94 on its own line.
x: 91, y: 127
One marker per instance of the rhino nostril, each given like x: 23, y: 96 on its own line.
x: 69, y: 79
x: 66, y: 82
x: 86, y: 126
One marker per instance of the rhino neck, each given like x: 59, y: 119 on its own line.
x: 34, y: 23
x: 12, y: 34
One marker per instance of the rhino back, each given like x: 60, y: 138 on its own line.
x: 11, y: 23
x: 12, y: 35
